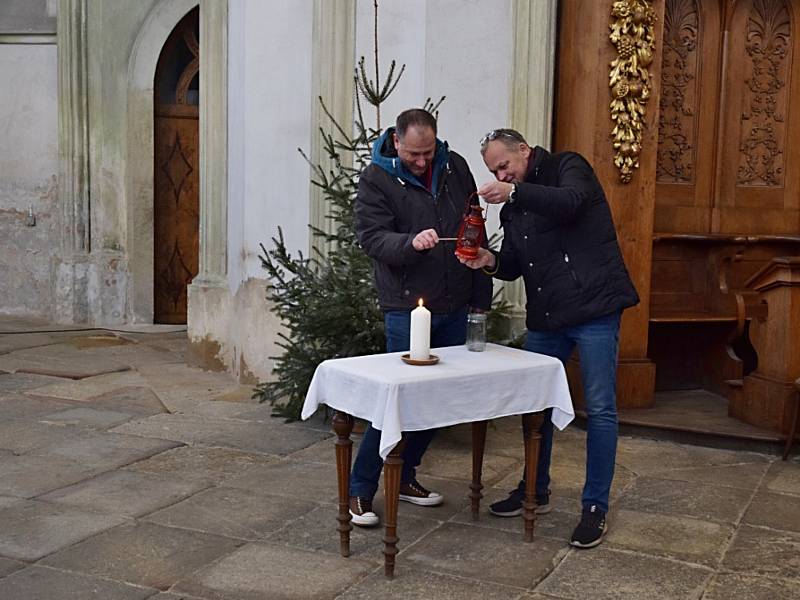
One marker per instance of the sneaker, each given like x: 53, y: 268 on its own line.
x: 416, y: 494
x: 589, y: 532
x: 512, y: 506
x: 361, y: 512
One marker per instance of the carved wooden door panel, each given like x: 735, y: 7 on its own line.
x: 177, y: 191
x: 730, y: 75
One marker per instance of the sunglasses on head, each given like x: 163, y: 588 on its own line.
x: 496, y: 133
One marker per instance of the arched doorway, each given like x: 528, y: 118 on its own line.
x: 176, y: 215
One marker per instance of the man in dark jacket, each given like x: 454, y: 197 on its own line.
x: 560, y: 238
x: 414, y: 192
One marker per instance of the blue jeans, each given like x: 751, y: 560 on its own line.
x: 446, y: 330
x: 598, y: 344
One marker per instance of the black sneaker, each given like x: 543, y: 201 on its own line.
x: 512, y: 506
x: 589, y: 532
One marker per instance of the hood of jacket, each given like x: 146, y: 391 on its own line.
x: 384, y: 155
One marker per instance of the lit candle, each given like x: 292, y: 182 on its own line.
x: 420, y: 333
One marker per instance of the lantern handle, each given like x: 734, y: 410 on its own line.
x: 468, y: 207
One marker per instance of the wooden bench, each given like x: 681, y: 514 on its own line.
x: 700, y: 307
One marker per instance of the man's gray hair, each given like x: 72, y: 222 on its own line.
x: 510, y: 138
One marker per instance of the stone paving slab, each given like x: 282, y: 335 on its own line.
x: 727, y: 586
x: 778, y: 511
x: 8, y: 566
x: 86, y: 417
x: 102, y: 450
x: 457, y: 464
x: 746, y: 476
x: 783, y: 477
x: 258, y: 571
x: 316, y: 531
x: 686, y: 498
x: 768, y: 552
x: 290, y: 479
x: 20, y: 382
x: 682, y: 538
x: 605, y: 574
x: 652, y: 457
x: 59, y: 360
x: 136, y: 400
x: 14, y: 405
x: 137, y: 355
x: 233, y: 513
x: 422, y: 585
x: 90, y: 387
x: 463, y: 551
x: 143, y: 554
x: 200, y: 463
x: 267, y: 438
x: 6, y: 501
x: 42, y: 583
x: 556, y: 525
x: 22, y: 435
x: 124, y: 493
x: 171, y: 596
x: 35, y: 529
x: 29, y: 475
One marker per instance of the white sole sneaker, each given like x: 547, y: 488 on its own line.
x: 368, y: 519
x: 434, y: 499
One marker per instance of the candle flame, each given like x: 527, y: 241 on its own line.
x: 420, y: 302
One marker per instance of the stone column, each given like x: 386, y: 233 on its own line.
x: 531, y: 97
x: 333, y: 62
x: 71, y: 280
x: 213, y: 143
x: 208, y: 294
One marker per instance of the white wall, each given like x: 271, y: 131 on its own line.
x: 28, y: 176
x: 270, y: 117
x: 460, y: 49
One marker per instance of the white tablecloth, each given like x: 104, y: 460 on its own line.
x: 463, y: 387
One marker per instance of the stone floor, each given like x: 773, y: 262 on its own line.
x: 125, y: 475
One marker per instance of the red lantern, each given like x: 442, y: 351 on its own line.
x: 470, y: 233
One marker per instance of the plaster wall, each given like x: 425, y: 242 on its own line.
x: 28, y: 177
x: 269, y: 88
x: 450, y: 48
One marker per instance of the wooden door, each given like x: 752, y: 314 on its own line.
x: 177, y: 190
x: 730, y: 85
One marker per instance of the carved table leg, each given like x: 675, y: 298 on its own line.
x: 343, y: 426
x: 531, y: 423
x: 478, y: 445
x: 392, y: 468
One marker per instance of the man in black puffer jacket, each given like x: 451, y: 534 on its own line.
x: 414, y: 192
x: 560, y: 238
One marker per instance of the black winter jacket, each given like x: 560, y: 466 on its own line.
x: 560, y: 237
x: 392, y: 207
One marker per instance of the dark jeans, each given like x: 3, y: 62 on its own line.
x: 598, y: 344
x: 446, y: 330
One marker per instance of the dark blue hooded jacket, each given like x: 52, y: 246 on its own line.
x: 392, y: 207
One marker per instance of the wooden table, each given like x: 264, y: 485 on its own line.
x: 465, y: 387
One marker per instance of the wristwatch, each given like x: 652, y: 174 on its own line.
x: 512, y: 194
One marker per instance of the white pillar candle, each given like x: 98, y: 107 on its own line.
x: 420, y: 333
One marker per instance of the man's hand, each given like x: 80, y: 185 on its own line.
x: 425, y: 240
x: 484, y: 259
x: 495, y: 192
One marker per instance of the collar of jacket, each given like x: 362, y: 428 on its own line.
x: 534, y: 163
x: 384, y: 154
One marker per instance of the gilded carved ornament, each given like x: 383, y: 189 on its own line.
x: 632, y: 34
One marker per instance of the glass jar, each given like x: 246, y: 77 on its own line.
x: 476, y: 332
